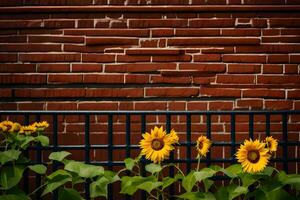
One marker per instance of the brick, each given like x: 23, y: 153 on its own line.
x: 241, y: 32
x: 149, y: 43
x: 219, y: 50
x: 53, y: 68
x: 86, y: 67
x: 23, y: 79
x: 166, y: 32
x: 295, y: 59
x: 5, y: 93
x: 279, y: 105
x: 243, y: 68
x: 203, y: 80
x: 127, y: 58
x: 98, y: 106
x: 84, y: 48
x: 171, y: 80
x: 136, y: 78
x: 38, y: 57
x: 272, y: 69
x: 61, y: 2
x: 267, y: 2
x: 30, y: 47
x: 111, y: 41
x: 137, y: 67
x: 31, y: 106
x: 174, y: 2
x: 115, y: 92
x: 278, y: 58
x: 210, y: 68
x: 259, y: 23
x: 250, y: 103
x: 98, y: 58
x: 244, y: 58
x: 211, y: 23
x: 109, y: 32
x: 293, y: 94
x: 148, y: 23
x: 18, y: 24
x: 287, y: 79
x: 50, y: 93
x: 13, y: 39
x: 56, y: 39
x: 17, y: 68
x: 268, y: 48
x: 85, y: 23
x: 150, y: 105
x: 207, y: 58
x: 197, y: 32
x: 236, y: 79
x: 59, y: 24
x: 8, y: 57
x: 126, y: 106
x: 263, y: 93
x: 216, y: 92
x: 220, y: 105
x: 64, y: 78
x: 61, y: 106
x: 197, y: 105
x: 291, y: 69
x: 270, y: 32
x: 280, y: 22
x: 176, y: 58
x: 177, y: 106
x: 102, y: 24
x: 212, y: 41
x: 8, y: 106
x: 281, y: 39
x: 171, y: 92
x: 153, y: 51
x: 103, y: 78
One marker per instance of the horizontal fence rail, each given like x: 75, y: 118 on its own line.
x: 187, y: 142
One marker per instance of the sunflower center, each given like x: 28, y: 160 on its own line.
x: 200, y: 145
x: 253, y: 156
x: 157, y: 144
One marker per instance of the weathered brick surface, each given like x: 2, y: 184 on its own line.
x: 174, y: 55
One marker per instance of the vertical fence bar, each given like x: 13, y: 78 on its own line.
x: 268, y: 124
x: 110, y: 151
x: 55, y: 148
x: 87, y: 152
x: 208, y: 133
x: 188, y: 141
x: 143, y: 172
x: 251, y: 125
x: 38, y: 158
x: 26, y: 174
x: 285, y: 142
x: 128, y: 143
x: 232, y: 136
x: 171, y: 169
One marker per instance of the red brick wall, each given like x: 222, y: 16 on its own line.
x: 190, y: 55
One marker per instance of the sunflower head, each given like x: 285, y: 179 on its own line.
x: 7, y: 126
x: 253, y: 156
x: 28, y: 130
x: 40, y: 126
x: 203, y: 145
x: 157, y: 145
x: 271, y: 144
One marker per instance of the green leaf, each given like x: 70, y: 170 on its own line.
x: 39, y: 168
x: 207, y: 184
x: 233, y: 170
x: 148, y: 186
x: 129, y: 163
x: 235, y: 191
x: 197, y: 196
x: 11, y: 197
x: 99, y: 188
x: 10, y: 176
x: 268, y: 171
x: 167, y: 181
x: 248, y: 179
x: 222, y: 194
x: 44, y: 140
x: 204, y: 174
x: 153, y: 168
x: 9, y: 155
x: 55, y: 180
x: 84, y: 170
x: 279, y: 194
x: 16, y: 191
x: 189, y: 181
x: 111, y: 176
x: 59, y: 156
x: 66, y: 193
x: 27, y: 141
x: 129, y: 185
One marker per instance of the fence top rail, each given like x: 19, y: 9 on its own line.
x: 143, y: 112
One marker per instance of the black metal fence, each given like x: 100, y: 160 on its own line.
x: 286, y: 117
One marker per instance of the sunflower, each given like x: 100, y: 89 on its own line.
x: 7, y: 126
x: 41, y: 126
x: 157, y: 145
x: 253, y: 156
x: 271, y: 144
x: 28, y: 130
x: 203, y: 145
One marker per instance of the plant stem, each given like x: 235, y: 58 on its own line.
x: 198, y: 165
x: 37, y: 189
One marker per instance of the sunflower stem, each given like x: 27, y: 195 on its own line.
x: 198, y: 165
